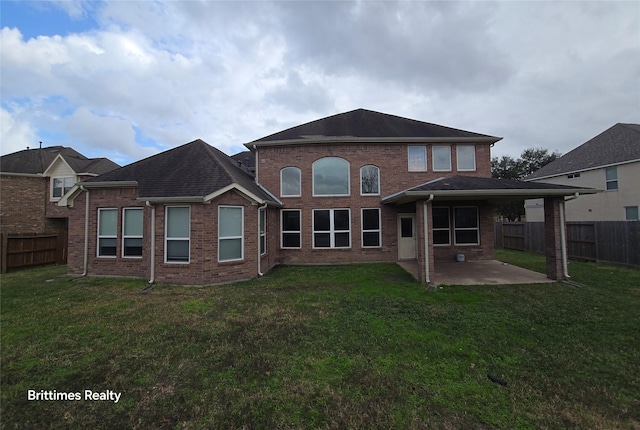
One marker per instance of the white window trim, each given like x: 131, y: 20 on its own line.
x: 475, y: 161
x: 626, y: 218
x: 370, y: 194
x: 448, y: 229
x: 331, y: 230
x: 433, y: 158
x: 124, y: 210
x: 106, y: 237
x: 262, y: 212
x: 73, y: 181
x: 241, y: 237
x: 607, y: 181
x: 426, y: 159
x: 466, y: 228
x: 282, y: 232
x: 166, y: 238
x: 282, y: 194
x: 378, y: 230
x: 313, y: 179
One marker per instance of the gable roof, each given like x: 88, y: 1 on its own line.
x: 616, y: 145
x: 362, y: 125
x: 36, y: 161
x: 475, y: 188
x: 195, y: 171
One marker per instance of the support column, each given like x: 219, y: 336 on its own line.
x: 424, y: 242
x: 552, y: 237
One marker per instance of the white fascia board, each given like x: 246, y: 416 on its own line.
x: 55, y: 160
x: 24, y: 175
x: 534, y: 193
x: 373, y: 140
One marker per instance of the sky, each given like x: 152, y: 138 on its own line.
x: 127, y: 79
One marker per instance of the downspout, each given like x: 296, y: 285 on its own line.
x: 86, y: 234
x: 256, y: 161
x: 426, y: 239
x: 563, y: 235
x: 152, y: 259
x: 265, y: 238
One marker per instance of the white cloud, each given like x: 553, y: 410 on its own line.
x: 15, y: 135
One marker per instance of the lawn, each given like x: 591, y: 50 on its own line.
x: 324, y: 347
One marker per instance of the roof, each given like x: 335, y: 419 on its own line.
x: 365, y: 125
x: 36, y: 161
x: 476, y: 188
x: 195, y: 171
x: 246, y: 159
x: 616, y: 145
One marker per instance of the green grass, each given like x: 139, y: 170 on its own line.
x: 324, y: 347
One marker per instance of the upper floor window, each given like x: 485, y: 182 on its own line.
x: 60, y: 186
x: 132, y: 232
x: 177, y: 234
x: 441, y: 158
x: 290, y: 182
x: 331, y: 177
x: 369, y: 180
x: 417, y: 156
x: 107, y: 232
x: 611, y: 174
x: 466, y: 156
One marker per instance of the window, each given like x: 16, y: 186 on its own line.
x: 369, y: 180
x: 107, y: 232
x: 331, y: 177
x: 417, y: 156
x: 290, y: 228
x: 263, y: 229
x: 573, y: 175
x: 132, y: 232
x: 230, y: 233
x: 290, y: 182
x: 371, y: 233
x: 611, y: 178
x: 466, y: 229
x: 331, y: 228
x: 177, y: 228
x: 441, y: 158
x: 60, y: 186
x: 441, y: 226
x: 631, y: 213
x: 466, y: 155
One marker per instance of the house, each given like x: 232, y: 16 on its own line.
x: 360, y: 186
x: 34, y: 180
x: 610, y: 162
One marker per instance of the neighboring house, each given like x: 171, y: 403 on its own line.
x: 34, y: 180
x: 356, y: 187
x: 610, y: 162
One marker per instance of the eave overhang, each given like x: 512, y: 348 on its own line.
x: 483, y: 194
x: 350, y: 140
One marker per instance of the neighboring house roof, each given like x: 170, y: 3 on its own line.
x: 363, y: 125
x: 616, y: 145
x: 195, y: 171
x: 471, y: 187
x: 36, y: 161
x: 246, y: 159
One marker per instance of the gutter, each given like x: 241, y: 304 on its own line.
x: 563, y: 235
x: 265, y: 238
x: 152, y: 248
x: 426, y: 239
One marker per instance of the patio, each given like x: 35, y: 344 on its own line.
x: 485, y: 272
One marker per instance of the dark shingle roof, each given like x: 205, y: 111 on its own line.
x: 362, y: 123
x: 615, y: 145
x: 36, y: 161
x: 195, y: 169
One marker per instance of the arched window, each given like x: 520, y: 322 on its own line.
x: 331, y: 177
x: 290, y: 182
x: 369, y: 180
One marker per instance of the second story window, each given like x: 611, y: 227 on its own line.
x: 290, y: 182
x: 417, y: 156
x: 60, y: 186
x: 441, y: 155
x: 369, y: 180
x: 611, y: 175
x: 466, y: 155
x: 331, y: 177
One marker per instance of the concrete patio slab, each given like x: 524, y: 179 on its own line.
x: 486, y: 272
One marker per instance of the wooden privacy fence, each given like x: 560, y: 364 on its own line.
x: 32, y: 250
x: 606, y: 241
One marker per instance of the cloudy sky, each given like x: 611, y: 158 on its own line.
x: 127, y: 79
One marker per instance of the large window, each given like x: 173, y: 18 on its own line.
x: 262, y: 213
x: 60, y: 186
x: 177, y: 238
x: 441, y: 158
x: 371, y: 232
x: 331, y: 177
x: 290, y: 182
x: 132, y: 232
x: 290, y: 228
x: 612, y: 178
x: 441, y: 226
x: 230, y: 233
x: 466, y: 155
x: 331, y: 228
x: 417, y: 158
x: 465, y: 225
x: 369, y: 180
x: 107, y: 232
